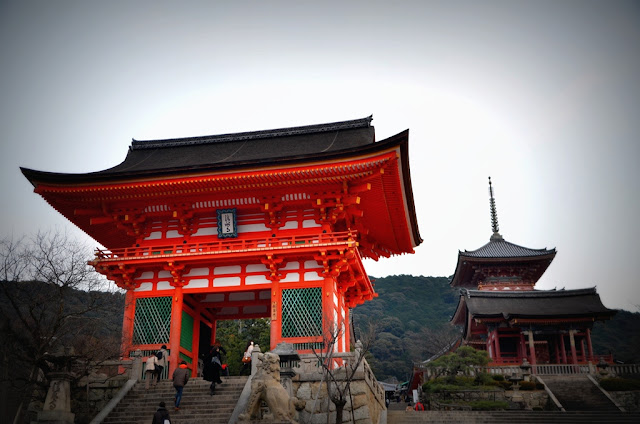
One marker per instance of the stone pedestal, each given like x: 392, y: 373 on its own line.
x: 57, y: 406
x: 289, y: 358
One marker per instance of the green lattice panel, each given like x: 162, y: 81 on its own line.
x: 186, y: 332
x: 152, y: 320
x: 302, y: 312
x: 185, y: 358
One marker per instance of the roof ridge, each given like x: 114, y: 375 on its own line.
x: 501, y: 241
x: 251, y: 135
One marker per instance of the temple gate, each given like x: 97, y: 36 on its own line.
x: 267, y: 224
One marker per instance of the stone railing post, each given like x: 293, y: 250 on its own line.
x: 136, y: 367
x: 254, y: 359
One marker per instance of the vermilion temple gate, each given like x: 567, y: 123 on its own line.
x: 268, y: 224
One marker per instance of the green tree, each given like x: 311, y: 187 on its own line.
x: 459, y: 362
x: 234, y: 336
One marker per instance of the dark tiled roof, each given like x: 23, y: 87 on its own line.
x: 248, y: 147
x: 228, y: 151
x: 497, y: 252
x: 536, y: 303
x: 504, y: 249
x: 254, y: 135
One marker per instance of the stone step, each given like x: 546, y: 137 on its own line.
x: 578, y: 393
x: 197, y: 405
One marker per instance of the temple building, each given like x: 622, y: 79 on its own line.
x: 502, y: 313
x: 267, y: 224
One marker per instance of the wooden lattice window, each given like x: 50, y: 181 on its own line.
x: 302, y: 312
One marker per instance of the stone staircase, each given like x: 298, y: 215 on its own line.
x: 510, y: 417
x: 578, y: 393
x: 196, y: 407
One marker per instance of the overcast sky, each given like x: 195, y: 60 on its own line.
x: 543, y: 96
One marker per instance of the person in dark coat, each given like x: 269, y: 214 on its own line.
x: 213, y: 366
x: 180, y: 379
x: 161, y: 415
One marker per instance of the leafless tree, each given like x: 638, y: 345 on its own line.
x: 340, y: 373
x: 430, y: 342
x: 49, y: 298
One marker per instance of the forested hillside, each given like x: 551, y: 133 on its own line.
x: 620, y: 336
x: 411, y: 315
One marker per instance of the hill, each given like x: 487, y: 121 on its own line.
x: 411, y: 315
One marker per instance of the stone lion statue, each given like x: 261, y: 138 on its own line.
x: 265, y: 386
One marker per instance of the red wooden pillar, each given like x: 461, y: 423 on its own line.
x: 589, y: 345
x: 175, y: 328
x: 329, y: 323
x: 195, y: 343
x: 496, y: 340
x: 557, y: 348
x: 564, y: 349
x: 276, y: 314
x: 532, y: 349
x: 491, y: 346
x: 522, y: 348
x: 127, y: 323
x: 572, y: 341
x: 347, y: 329
x: 214, y: 326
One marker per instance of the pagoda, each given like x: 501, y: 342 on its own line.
x: 502, y: 313
x: 267, y: 224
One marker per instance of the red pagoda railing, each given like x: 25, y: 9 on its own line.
x: 227, y: 246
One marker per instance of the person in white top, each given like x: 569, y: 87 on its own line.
x: 162, y: 356
x: 246, y: 358
x: 150, y: 371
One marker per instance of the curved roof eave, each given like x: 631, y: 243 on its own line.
x: 44, y: 177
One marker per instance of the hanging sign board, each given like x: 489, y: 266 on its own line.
x: 227, y: 223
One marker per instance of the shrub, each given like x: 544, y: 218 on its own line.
x: 498, y: 377
x: 527, y: 385
x: 615, y: 384
x: 488, y: 405
x: 504, y: 384
x: 484, y: 379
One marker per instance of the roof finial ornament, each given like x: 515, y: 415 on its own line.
x: 494, y: 216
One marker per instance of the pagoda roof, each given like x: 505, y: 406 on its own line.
x: 533, y: 304
x: 149, y: 158
x: 504, y: 249
x: 499, y: 251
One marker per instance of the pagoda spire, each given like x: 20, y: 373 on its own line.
x: 494, y: 216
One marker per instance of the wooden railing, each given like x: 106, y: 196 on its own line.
x: 227, y: 246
